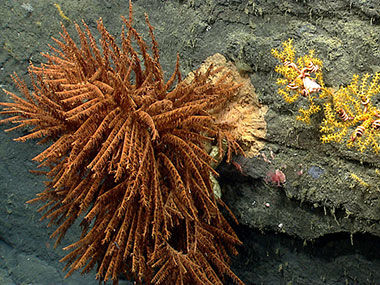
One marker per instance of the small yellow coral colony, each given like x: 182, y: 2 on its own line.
x: 297, y: 79
x: 350, y: 115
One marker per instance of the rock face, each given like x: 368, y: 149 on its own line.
x: 318, y: 202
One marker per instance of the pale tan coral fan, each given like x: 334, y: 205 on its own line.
x: 244, y: 110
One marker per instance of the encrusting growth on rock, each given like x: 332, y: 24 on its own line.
x: 127, y: 154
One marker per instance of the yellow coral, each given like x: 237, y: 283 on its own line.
x: 287, y: 54
x: 353, y: 113
x: 305, y: 114
x: 359, y: 180
x: 60, y: 12
x: 350, y: 115
x: 291, y: 78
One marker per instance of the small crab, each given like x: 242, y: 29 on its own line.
x: 308, y: 84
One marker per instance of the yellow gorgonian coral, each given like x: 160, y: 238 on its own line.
x: 353, y: 113
x: 300, y: 76
x: 350, y: 114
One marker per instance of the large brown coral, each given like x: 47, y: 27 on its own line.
x: 127, y: 157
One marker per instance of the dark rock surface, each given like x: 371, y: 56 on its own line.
x: 319, y: 227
